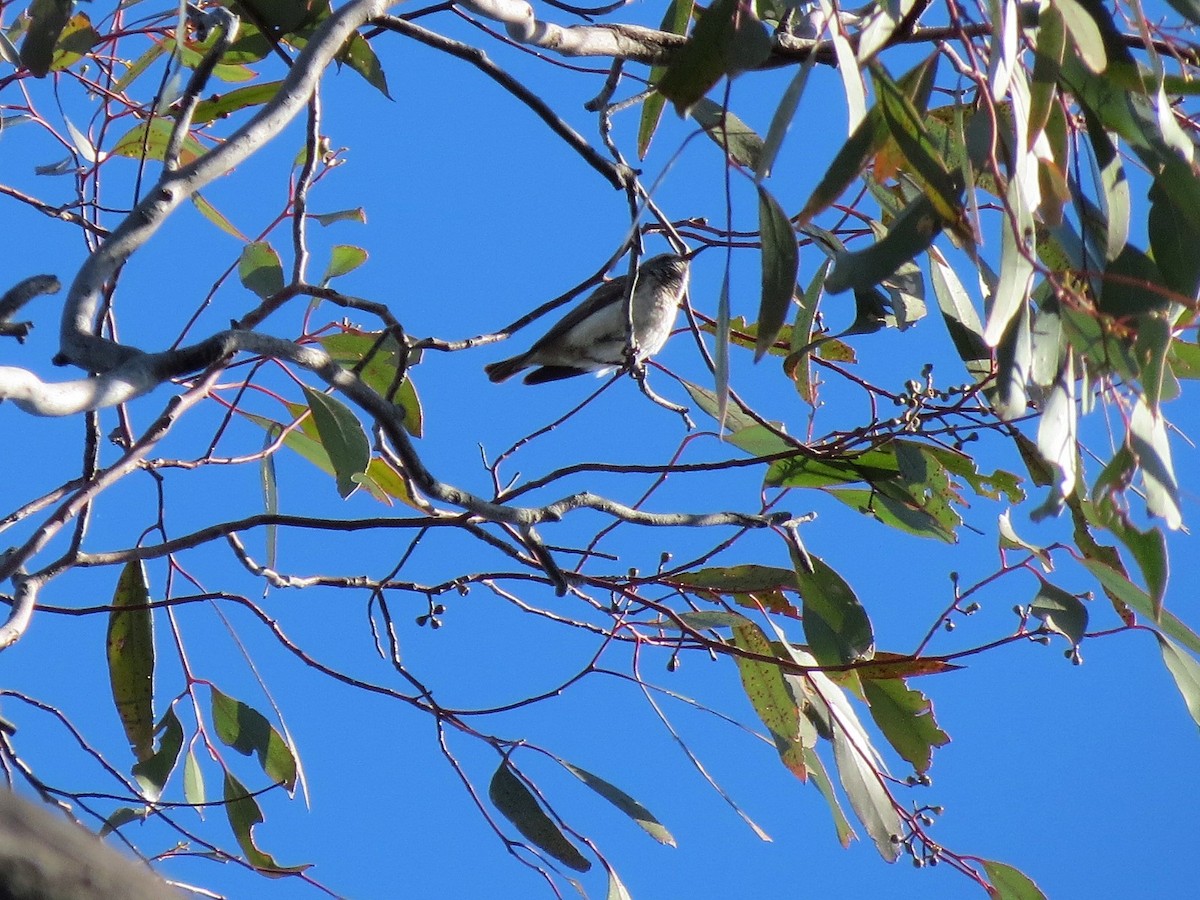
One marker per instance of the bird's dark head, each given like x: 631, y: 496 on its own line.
x: 665, y: 268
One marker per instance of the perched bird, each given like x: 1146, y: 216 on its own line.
x: 593, y: 336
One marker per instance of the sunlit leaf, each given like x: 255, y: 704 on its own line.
x: 622, y: 801
x: 244, y: 813
x: 729, y: 132
x: 220, y: 106
x: 835, y: 622
x: 260, y: 269
x: 1186, y: 672
x: 518, y: 804
x: 130, y: 648
x: 357, y: 214
x: 770, y: 696
x: 377, y: 362
x: 360, y: 56
x: 73, y: 44
x: 1009, y: 883
x: 962, y: 321
x: 152, y: 772
x: 193, y: 779
x: 343, y: 259
x: 905, y: 716
x: 215, y: 216
x: 1060, y: 611
x: 1150, y: 446
x: 248, y: 732
x: 149, y: 141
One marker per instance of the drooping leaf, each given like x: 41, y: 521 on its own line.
x: 48, y: 18
x: 193, y: 779
x: 152, y: 773
x: 780, y: 264
x: 622, y: 801
x: 905, y: 716
x: 962, y: 321
x: 782, y: 119
x: 727, y: 39
x: 675, y: 21
x: 342, y: 436
x: 260, y: 269
x: 1060, y: 611
x: 770, y: 696
x: 911, y: 233
x: 360, y: 56
x: 518, y: 804
x: 1186, y: 672
x: 1150, y: 446
x: 248, y: 732
x: 820, y: 777
x: 244, y: 813
x: 739, y: 141
x: 835, y: 622
x: 130, y: 649
x: 218, y: 218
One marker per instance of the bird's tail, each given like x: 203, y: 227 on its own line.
x: 506, y: 368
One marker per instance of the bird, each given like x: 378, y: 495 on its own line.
x: 593, y: 336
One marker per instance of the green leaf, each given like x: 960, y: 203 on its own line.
x: 1148, y: 441
x: 820, y: 777
x: 1011, y: 295
x: 122, y: 815
x: 1060, y: 611
x: 342, y: 436
x: 735, y: 137
x: 270, y: 487
x: 149, y: 141
x: 835, y: 623
x: 152, y: 772
x: 1120, y: 587
x: 382, y: 363
x: 780, y: 265
x: 248, y: 732
x: 809, y: 471
x: 675, y: 21
x: 215, y: 216
x: 139, y: 65
x: 1186, y: 672
x: 130, y: 648
x: 73, y: 44
x: 260, y: 269
x: 517, y: 804
x: 622, y: 801
x: 343, y: 259
x: 360, y: 56
x: 244, y: 813
x: 905, y: 716
x: 220, y: 106
x: 728, y: 38
x: 962, y: 321
x: 901, y: 513
x: 860, y: 771
x: 48, y: 18
x: 782, y: 120
x: 1085, y: 34
x: 911, y: 232
x: 905, y: 123
x: 1009, y: 883
x: 770, y: 696
x: 193, y: 779
x: 357, y: 214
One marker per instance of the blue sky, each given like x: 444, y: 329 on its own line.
x: 1082, y: 777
